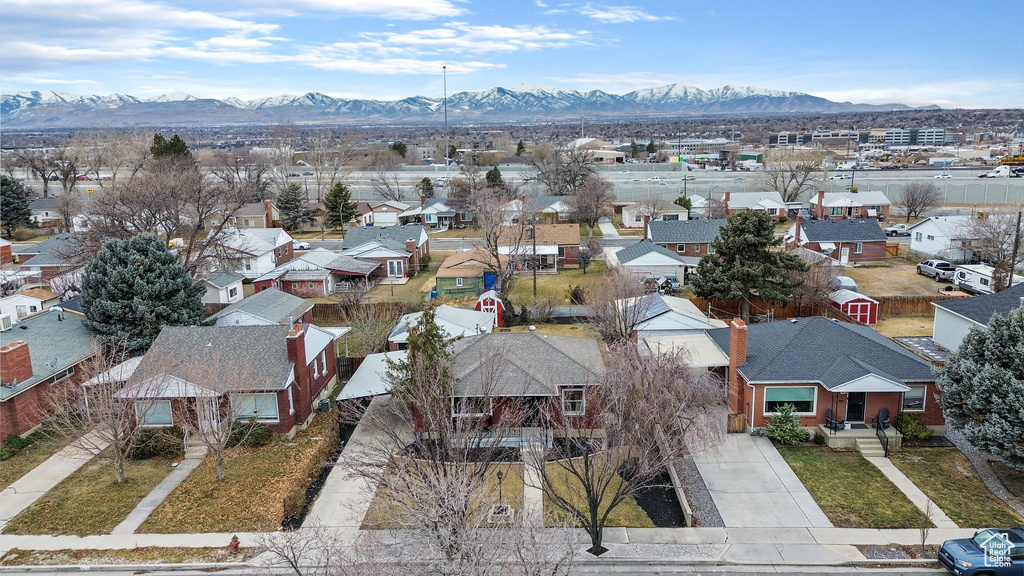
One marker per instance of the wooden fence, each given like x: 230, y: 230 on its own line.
x: 889, y: 306
x: 329, y: 314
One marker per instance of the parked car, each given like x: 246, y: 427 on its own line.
x: 840, y: 177
x: 655, y: 178
x: 897, y: 230
x: 993, y: 552
x: 668, y: 282
x: 689, y: 177
x: 938, y: 269
x: 300, y: 245
x: 943, y: 175
x: 843, y: 283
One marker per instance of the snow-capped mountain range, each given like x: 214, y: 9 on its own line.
x: 49, y: 109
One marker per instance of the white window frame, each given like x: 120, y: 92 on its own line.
x: 924, y: 398
x: 696, y: 248
x: 764, y: 401
x: 455, y: 402
x: 143, y: 419
x: 458, y: 282
x: 858, y: 247
x: 711, y: 249
x: 918, y: 236
x: 316, y: 369
x: 248, y: 222
x: 235, y: 398
x: 835, y: 211
x: 232, y: 292
x: 583, y: 401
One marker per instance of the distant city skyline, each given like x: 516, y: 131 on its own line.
x: 944, y: 53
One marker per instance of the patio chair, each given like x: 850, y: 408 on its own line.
x: 883, y: 418
x: 831, y: 422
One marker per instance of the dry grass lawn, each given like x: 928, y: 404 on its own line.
x: 143, y: 555
x: 42, y: 447
x: 555, y: 285
x: 90, y: 501
x: 258, y: 491
x: 896, y: 277
x: 416, y: 288
x: 905, y: 326
x: 628, y: 514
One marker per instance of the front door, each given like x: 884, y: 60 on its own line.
x: 395, y: 268
x: 844, y: 255
x: 855, y: 406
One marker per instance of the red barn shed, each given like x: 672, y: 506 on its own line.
x: 489, y: 302
x: 858, y: 306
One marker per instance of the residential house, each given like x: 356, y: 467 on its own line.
x: 769, y: 202
x: 46, y: 211
x: 223, y: 287
x: 660, y: 315
x: 548, y: 209
x: 690, y: 239
x: 955, y: 318
x: 646, y: 257
x: 6, y: 253
x: 818, y: 364
x: 380, y: 213
x: 400, y: 250
x: 38, y: 355
x: 318, y: 272
x: 27, y: 303
x: 265, y: 307
x: 852, y: 204
x: 436, y: 213
x: 548, y: 246
x: 464, y: 274
x: 943, y: 237
x: 49, y: 258
x: 454, y: 322
x: 251, y: 215
x: 698, y: 206
x: 654, y: 209
x: 275, y: 374
x: 258, y: 250
x: 843, y: 240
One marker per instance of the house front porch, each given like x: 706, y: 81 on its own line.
x: 846, y: 438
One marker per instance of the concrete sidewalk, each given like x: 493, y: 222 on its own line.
x: 608, y: 230
x: 913, y: 493
x: 345, y: 497
x: 193, y: 458
x: 23, y: 492
x: 753, y: 486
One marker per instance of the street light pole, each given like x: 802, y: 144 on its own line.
x: 533, y: 225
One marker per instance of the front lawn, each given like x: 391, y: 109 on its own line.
x: 412, y: 291
x: 262, y: 486
x: 143, y: 555
x: 42, y: 447
x: 851, y: 491
x: 628, y: 514
x: 90, y: 501
x: 555, y: 285
x: 946, y: 476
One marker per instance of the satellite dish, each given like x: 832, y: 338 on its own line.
x: 53, y: 363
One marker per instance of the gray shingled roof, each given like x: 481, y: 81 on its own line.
x: 273, y: 305
x: 643, y: 247
x: 48, y: 203
x: 223, y: 278
x: 685, y: 231
x: 62, y: 343
x: 842, y: 231
x: 527, y: 364
x: 392, y: 237
x: 239, y: 357
x: 981, y: 308
x: 818, y: 349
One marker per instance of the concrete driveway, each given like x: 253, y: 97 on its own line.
x: 753, y: 487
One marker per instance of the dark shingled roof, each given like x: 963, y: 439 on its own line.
x: 392, y: 237
x: 53, y: 345
x: 685, y: 231
x: 643, y: 247
x: 818, y: 349
x: 842, y: 231
x: 207, y: 354
x: 981, y: 308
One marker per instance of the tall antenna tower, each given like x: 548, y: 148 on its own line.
x: 447, y: 146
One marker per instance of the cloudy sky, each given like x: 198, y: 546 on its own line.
x: 937, y: 52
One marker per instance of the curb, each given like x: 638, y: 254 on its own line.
x: 210, y: 566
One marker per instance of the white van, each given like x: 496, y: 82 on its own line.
x: 977, y: 278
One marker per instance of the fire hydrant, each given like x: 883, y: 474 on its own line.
x: 235, y: 543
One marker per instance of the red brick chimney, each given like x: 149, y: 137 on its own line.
x: 820, y: 212
x: 799, y: 223
x: 296, y: 342
x: 647, y: 221
x: 423, y: 199
x: 268, y: 209
x: 726, y: 199
x: 737, y: 358
x: 15, y: 363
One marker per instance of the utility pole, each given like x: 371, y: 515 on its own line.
x: 1013, y: 255
x: 447, y: 146
x: 533, y: 223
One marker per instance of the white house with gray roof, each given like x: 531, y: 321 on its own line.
x: 955, y: 318
x: 945, y: 237
x: 454, y: 322
x: 223, y: 287
x: 646, y: 257
x: 258, y: 250
x: 770, y: 202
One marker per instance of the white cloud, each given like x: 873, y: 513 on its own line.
x: 393, y: 65
x: 35, y: 80
x: 619, y: 14
x: 954, y: 94
x: 133, y: 13
x: 459, y: 37
x: 616, y: 83
x: 394, y: 9
x: 540, y: 4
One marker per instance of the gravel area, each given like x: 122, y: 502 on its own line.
x: 980, y: 462
x: 884, y: 553
x: 705, y: 513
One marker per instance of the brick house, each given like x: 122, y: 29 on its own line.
x: 690, y: 239
x: 435, y: 213
x: 557, y: 246
x: 819, y: 364
x: 37, y: 355
x: 49, y: 258
x: 400, y: 250
x: 843, y: 240
x: 274, y: 374
x: 852, y: 204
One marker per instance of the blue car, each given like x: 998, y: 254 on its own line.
x: 992, y: 552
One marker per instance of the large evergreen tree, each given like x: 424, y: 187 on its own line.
x: 174, y: 149
x: 135, y: 287
x: 494, y: 179
x: 982, y: 388
x: 399, y: 148
x: 14, y: 210
x: 425, y: 187
x: 291, y: 203
x: 747, y: 262
x: 340, y: 207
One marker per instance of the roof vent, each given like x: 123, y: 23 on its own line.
x: 792, y: 320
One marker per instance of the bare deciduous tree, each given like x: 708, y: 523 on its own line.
x: 991, y: 239
x: 591, y: 201
x: 792, y: 172
x: 644, y: 414
x: 561, y: 169
x: 619, y: 305
x: 246, y: 174
x: 330, y: 155
x: 813, y: 285
x: 916, y: 197
x: 588, y: 253
x: 121, y: 153
x: 38, y: 163
x: 502, y: 224
x: 383, y: 164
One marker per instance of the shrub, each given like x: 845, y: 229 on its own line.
x: 249, y: 433
x: 12, y: 445
x: 159, y: 443
x: 819, y: 438
x: 911, y: 428
x: 22, y: 234
x: 783, y: 220
x: 576, y: 295
x: 785, y: 427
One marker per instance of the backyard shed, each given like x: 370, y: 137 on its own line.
x: 858, y: 306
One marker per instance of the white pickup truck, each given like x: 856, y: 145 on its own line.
x: 897, y: 230
x: 938, y: 269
